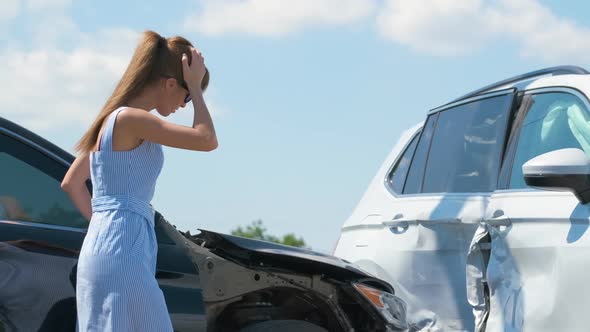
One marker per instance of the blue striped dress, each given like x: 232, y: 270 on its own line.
x: 116, y: 288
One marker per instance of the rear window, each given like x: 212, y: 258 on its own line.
x: 397, y: 177
x: 467, y: 146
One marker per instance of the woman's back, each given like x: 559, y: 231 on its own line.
x: 124, y: 179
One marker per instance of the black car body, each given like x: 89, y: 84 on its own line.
x: 211, y: 281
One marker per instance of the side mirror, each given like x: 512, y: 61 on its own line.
x: 565, y: 169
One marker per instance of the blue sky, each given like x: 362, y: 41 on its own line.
x: 307, y: 96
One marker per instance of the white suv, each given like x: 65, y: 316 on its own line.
x: 478, y: 216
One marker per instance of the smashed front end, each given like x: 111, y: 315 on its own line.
x: 247, y: 281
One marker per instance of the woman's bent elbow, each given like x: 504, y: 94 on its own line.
x: 65, y: 186
x: 213, y: 145
x: 205, y: 144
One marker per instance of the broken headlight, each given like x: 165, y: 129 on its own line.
x: 391, y: 307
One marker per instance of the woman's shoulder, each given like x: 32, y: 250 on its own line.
x: 133, y: 111
x: 130, y: 116
x: 137, y: 121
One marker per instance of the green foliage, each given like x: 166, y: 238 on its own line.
x: 256, y: 230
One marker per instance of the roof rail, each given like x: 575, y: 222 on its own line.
x: 559, y: 70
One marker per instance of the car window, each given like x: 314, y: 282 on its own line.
x: 554, y: 121
x: 467, y: 146
x: 397, y: 177
x: 416, y: 173
x: 30, y: 187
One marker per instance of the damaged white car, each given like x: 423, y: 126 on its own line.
x: 478, y: 217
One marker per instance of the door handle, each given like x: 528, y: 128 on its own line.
x: 398, y: 221
x: 397, y: 224
x: 499, y: 219
x: 502, y: 221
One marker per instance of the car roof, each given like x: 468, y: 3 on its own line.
x: 533, y: 75
x: 23, y: 134
x: 560, y: 76
x: 578, y: 82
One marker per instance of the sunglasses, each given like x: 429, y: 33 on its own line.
x: 188, y: 98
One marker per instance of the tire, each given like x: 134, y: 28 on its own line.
x: 283, y: 326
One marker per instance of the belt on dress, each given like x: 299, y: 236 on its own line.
x: 123, y: 202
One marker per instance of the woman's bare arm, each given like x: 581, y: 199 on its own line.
x: 74, y: 183
x: 200, y: 137
x: 144, y: 125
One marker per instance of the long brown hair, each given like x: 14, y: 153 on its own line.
x: 155, y: 57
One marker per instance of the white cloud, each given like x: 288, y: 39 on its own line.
x: 46, y: 87
x: 540, y: 32
x: 50, y: 88
x: 9, y: 9
x: 274, y: 17
x: 452, y: 27
x: 444, y: 27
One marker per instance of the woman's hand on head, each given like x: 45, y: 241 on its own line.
x: 193, y: 73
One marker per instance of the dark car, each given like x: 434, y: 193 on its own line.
x: 211, y: 281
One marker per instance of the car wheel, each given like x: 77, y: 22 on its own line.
x: 283, y: 326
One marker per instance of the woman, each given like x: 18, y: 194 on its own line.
x: 116, y: 289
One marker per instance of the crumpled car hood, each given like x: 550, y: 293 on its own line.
x: 258, y: 254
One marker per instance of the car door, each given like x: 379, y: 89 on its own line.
x: 41, y: 233
x: 422, y: 224
x: 540, y: 244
